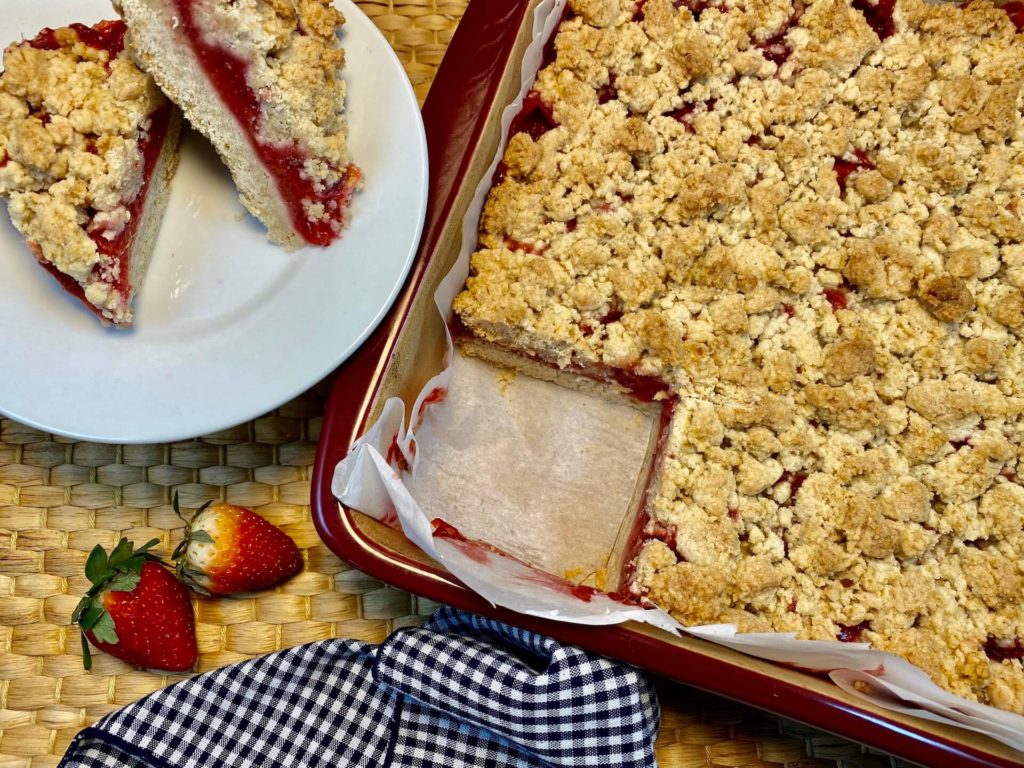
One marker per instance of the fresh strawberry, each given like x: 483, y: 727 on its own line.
x: 136, y: 610
x: 230, y: 549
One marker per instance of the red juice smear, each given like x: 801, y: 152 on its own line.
x: 583, y: 592
x: 227, y: 73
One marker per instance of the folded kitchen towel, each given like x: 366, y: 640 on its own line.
x: 460, y: 691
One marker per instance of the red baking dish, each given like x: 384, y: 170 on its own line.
x: 479, y: 75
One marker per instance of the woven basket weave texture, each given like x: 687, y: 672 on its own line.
x: 60, y: 498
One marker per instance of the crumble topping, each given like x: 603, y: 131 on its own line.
x: 71, y: 117
x: 295, y: 64
x: 806, y: 219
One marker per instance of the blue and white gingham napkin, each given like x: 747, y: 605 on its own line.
x: 460, y: 691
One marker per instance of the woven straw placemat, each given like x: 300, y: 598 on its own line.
x: 59, y: 498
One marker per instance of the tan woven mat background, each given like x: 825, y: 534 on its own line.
x: 59, y: 498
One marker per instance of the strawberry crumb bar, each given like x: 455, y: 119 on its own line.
x: 88, y: 147
x: 804, y: 220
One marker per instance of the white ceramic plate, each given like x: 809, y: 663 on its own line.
x: 228, y: 326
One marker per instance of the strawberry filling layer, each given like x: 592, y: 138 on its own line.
x: 227, y: 73
x: 105, y: 36
x: 118, y: 249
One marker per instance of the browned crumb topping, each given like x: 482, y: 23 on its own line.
x: 70, y: 123
x: 813, y: 233
x: 296, y: 63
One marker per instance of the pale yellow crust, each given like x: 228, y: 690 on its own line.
x: 70, y: 124
x: 862, y: 345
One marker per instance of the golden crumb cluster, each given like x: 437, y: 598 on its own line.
x: 294, y: 64
x: 70, y: 122
x: 807, y: 220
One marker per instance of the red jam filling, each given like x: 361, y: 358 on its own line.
x: 105, y: 36
x: 795, y: 480
x: 119, y: 249
x: 534, y: 119
x: 1004, y: 650
x: 227, y: 73
x: 837, y: 298
x: 775, y: 48
x: 1015, y: 10
x: 852, y: 634
x: 149, y: 147
x: 696, y: 7
x: 843, y: 168
x: 612, y: 316
x: 518, y: 245
x: 664, y: 533
x: 878, y: 15
x: 500, y: 173
x: 686, y: 113
x: 608, y: 92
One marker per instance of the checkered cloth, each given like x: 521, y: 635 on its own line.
x: 460, y: 691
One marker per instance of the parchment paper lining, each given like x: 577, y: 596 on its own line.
x: 409, y: 473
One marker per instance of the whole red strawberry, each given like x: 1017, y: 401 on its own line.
x: 136, y: 610
x: 230, y: 549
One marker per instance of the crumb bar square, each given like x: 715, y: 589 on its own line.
x: 805, y: 219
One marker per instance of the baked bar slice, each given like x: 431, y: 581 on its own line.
x: 88, y: 146
x: 804, y: 219
x: 262, y: 80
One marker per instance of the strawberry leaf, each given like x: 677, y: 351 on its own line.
x: 104, y: 630
x: 91, y: 615
x: 147, y: 546
x: 180, y: 549
x: 202, y: 537
x: 121, y: 553
x: 82, y: 604
x: 86, y: 654
x: 126, y: 581
x: 96, y: 565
